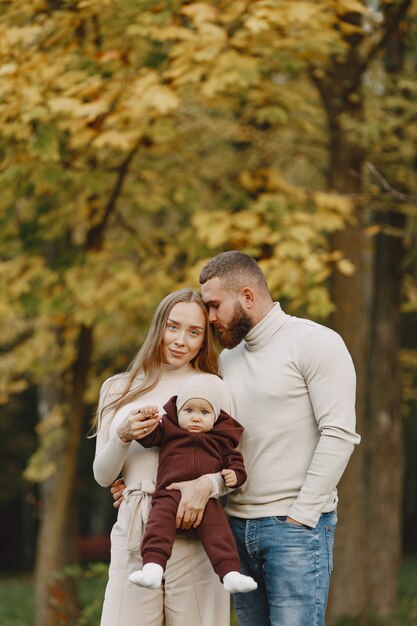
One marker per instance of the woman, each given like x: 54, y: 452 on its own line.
x: 180, y: 343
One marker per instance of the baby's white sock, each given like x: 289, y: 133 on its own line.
x: 150, y: 576
x: 234, y: 582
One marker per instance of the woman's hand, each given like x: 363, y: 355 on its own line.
x: 139, y: 423
x: 194, y: 497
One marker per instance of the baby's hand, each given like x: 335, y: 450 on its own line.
x: 149, y: 412
x: 229, y: 477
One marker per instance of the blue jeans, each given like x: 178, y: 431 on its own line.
x: 292, y: 566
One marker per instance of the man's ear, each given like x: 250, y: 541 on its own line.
x: 247, y: 297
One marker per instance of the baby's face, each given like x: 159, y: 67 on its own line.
x: 196, y: 416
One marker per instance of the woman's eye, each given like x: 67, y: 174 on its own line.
x: 172, y: 327
x: 194, y: 333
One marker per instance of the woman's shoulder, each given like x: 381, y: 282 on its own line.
x: 114, y: 385
x: 117, y: 383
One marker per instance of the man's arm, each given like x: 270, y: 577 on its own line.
x: 330, y: 377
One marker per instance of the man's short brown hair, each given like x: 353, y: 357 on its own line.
x: 236, y: 269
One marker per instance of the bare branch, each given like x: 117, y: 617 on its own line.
x: 387, y: 187
x: 123, y: 171
x: 95, y: 234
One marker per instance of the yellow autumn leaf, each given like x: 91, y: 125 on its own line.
x: 301, y: 233
x: 148, y: 94
x: 256, y: 24
x: 116, y: 139
x: 200, y: 12
x: 302, y: 12
x: 162, y: 99
x: 8, y: 69
x: 91, y: 110
x: 248, y: 180
x: 328, y: 221
x: 319, y: 304
x: 31, y: 95
x: 231, y: 69
x: 210, y: 33
x: 95, y: 6
x: 313, y: 264
x: 80, y: 135
x: 346, y: 267
x: 63, y: 104
x: 341, y: 203
x: 372, y: 230
x: 22, y: 35
x: 351, y: 6
x: 246, y: 220
x: 277, y: 182
x: 334, y: 255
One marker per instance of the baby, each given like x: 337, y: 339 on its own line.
x: 195, y: 437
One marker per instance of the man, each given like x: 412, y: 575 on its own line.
x: 292, y: 385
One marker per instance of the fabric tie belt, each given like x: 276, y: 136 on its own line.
x: 137, y: 498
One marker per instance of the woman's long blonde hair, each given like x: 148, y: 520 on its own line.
x: 148, y: 360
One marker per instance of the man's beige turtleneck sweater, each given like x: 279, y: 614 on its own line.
x: 292, y: 384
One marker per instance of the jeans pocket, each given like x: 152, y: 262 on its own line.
x: 330, y: 543
x: 281, y: 519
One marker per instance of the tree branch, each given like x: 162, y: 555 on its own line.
x: 396, y: 14
x: 386, y: 186
x: 123, y: 171
x: 391, y: 26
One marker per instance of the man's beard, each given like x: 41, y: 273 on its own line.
x: 237, y: 329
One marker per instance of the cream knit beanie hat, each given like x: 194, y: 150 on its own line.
x: 207, y: 386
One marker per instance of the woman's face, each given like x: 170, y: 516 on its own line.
x: 184, y: 334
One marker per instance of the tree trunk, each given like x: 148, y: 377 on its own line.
x: 55, y: 596
x: 348, y: 590
x: 385, y: 444
x: 349, y: 294
x: 367, y: 552
x: 367, y: 549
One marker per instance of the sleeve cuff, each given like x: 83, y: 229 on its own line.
x: 297, y: 513
x: 118, y: 441
x: 219, y: 487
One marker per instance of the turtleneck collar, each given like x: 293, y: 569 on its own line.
x: 260, y: 334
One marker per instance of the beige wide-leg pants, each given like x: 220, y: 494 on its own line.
x: 192, y: 593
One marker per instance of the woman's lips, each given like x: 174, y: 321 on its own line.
x: 176, y: 353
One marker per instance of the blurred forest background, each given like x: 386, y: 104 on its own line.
x: 139, y: 138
